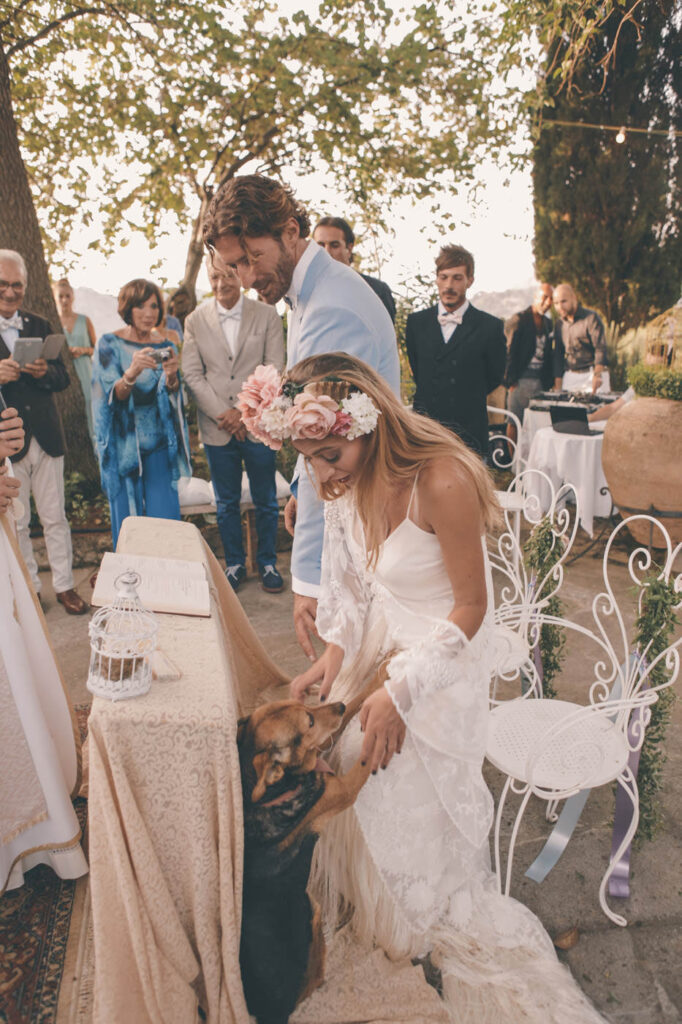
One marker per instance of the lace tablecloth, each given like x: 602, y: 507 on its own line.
x: 166, y: 840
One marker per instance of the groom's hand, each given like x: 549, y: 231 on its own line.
x: 305, y: 610
x: 290, y: 515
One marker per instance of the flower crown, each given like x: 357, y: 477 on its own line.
x: 274, y: 408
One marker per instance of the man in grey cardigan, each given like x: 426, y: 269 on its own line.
x: 226, y: 338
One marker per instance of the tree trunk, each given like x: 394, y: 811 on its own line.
x: 195, y: 253
x: 19, y: 230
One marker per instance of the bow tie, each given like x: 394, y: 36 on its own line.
x: 13, y: 322
x: 228, y: 314
x: 450, y: 318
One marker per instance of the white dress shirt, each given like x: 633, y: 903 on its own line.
x: 300, y: 270
x: 9, y: 335
x: 449, y: 329
x: 230, y: 319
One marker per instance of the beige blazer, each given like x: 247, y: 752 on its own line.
x: 215, y: 376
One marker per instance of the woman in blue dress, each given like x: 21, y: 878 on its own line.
x: 140, y: 428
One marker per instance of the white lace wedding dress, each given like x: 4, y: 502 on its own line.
x: 411, y: 857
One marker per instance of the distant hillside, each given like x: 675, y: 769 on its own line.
x: 504, y: 304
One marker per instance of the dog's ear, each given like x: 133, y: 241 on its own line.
x: 269, y: 769
x: 241, y: 728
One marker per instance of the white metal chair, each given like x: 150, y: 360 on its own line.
x: 554, y: 749
x: 521, y: 597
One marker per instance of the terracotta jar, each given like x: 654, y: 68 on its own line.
x: 642, y: 464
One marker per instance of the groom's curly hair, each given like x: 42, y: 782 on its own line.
x: 251, y: 206
x: 396, y: 449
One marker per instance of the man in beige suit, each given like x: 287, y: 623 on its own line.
x: 226, y: 337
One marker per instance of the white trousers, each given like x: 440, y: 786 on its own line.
x: 582, y: 381
x: 43, y: 475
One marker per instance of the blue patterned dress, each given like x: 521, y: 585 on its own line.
x: 142, y: 442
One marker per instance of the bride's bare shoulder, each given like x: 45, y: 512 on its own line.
x: 445, y: 482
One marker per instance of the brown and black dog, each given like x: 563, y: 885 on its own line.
x: 289, y: 794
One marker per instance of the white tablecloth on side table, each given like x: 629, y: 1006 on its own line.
x: 571, y: 459
x: 533, y: 420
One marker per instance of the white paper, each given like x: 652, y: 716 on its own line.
x: 167, y: 584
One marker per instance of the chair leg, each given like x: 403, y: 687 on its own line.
x: 629, y: 783
x: 550, y: 811
x: 509, y: 784
x: 512, y: 841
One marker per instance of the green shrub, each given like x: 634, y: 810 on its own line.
x: 656, y: 382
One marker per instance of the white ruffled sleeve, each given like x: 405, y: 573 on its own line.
x: 426, y: 667
x: 344, y: 592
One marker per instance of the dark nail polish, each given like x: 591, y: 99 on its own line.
x: 374, y: 771
x: 383, y: 767
x: 364, y: 764
x: 322, y: 700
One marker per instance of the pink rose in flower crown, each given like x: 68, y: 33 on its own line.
x: 312, y: 417
x: 342, y: 425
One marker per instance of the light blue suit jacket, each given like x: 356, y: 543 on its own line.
x: 335, y: 311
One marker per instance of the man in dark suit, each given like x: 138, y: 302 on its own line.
x: 39, y: 466
x: 336, y: 236
x: 530, y: 358
x: 457, y: 353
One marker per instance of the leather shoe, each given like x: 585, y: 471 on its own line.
x: 73, y: 603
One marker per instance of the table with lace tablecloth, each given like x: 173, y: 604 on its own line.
x: 571, y: 459
x: 166, y: 837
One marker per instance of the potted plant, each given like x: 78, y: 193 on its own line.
x: 641, y: 450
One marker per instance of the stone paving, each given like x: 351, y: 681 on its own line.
x: 633, y: 974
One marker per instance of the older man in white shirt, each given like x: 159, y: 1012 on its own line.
x: 225, y: 339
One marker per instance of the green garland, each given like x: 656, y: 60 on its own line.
x: 655, y: 625
x: 543, y: 550
x: 656, y: 382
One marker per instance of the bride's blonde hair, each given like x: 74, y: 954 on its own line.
x: 399, y: 445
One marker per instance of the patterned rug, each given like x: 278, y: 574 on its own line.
x: 34, y: 929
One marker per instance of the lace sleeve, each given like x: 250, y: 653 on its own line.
x: 426, y: 667
x: 344, y: 593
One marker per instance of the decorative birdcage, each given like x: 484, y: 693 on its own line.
x: 123, y: 638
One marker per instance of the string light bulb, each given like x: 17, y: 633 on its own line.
x: 620, y: 137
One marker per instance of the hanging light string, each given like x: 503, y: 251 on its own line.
x: 620, y: 132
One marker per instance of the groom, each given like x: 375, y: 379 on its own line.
x: 259, y: 228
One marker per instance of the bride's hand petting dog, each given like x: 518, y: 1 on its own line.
x: 289, y: 794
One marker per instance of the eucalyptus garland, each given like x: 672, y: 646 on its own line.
x: 655, y: 626
x: 543, y: 549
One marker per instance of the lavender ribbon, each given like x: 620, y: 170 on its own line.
x: 619, y: 882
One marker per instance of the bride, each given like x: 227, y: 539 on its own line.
x: 405, y: 580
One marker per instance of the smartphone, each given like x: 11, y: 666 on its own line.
x: 160, y: 355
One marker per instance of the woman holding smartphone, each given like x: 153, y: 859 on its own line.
x: 140, y: 429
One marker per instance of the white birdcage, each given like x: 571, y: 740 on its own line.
x: 123, y: 639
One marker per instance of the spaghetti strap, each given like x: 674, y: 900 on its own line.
x: 413, y: 493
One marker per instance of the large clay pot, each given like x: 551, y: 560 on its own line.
x: 642, y: 464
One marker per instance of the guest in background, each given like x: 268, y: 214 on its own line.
x: 336, y: 236
x: 226, y: 338
x: 580, y: 360
x: 457, y: 353
x: 39, y: 466
x: 530, y: 362
x: 181, y: 303
x: 80, y: 335
x: 140, y: 429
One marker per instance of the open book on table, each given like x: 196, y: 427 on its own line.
x: 168, y: 584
